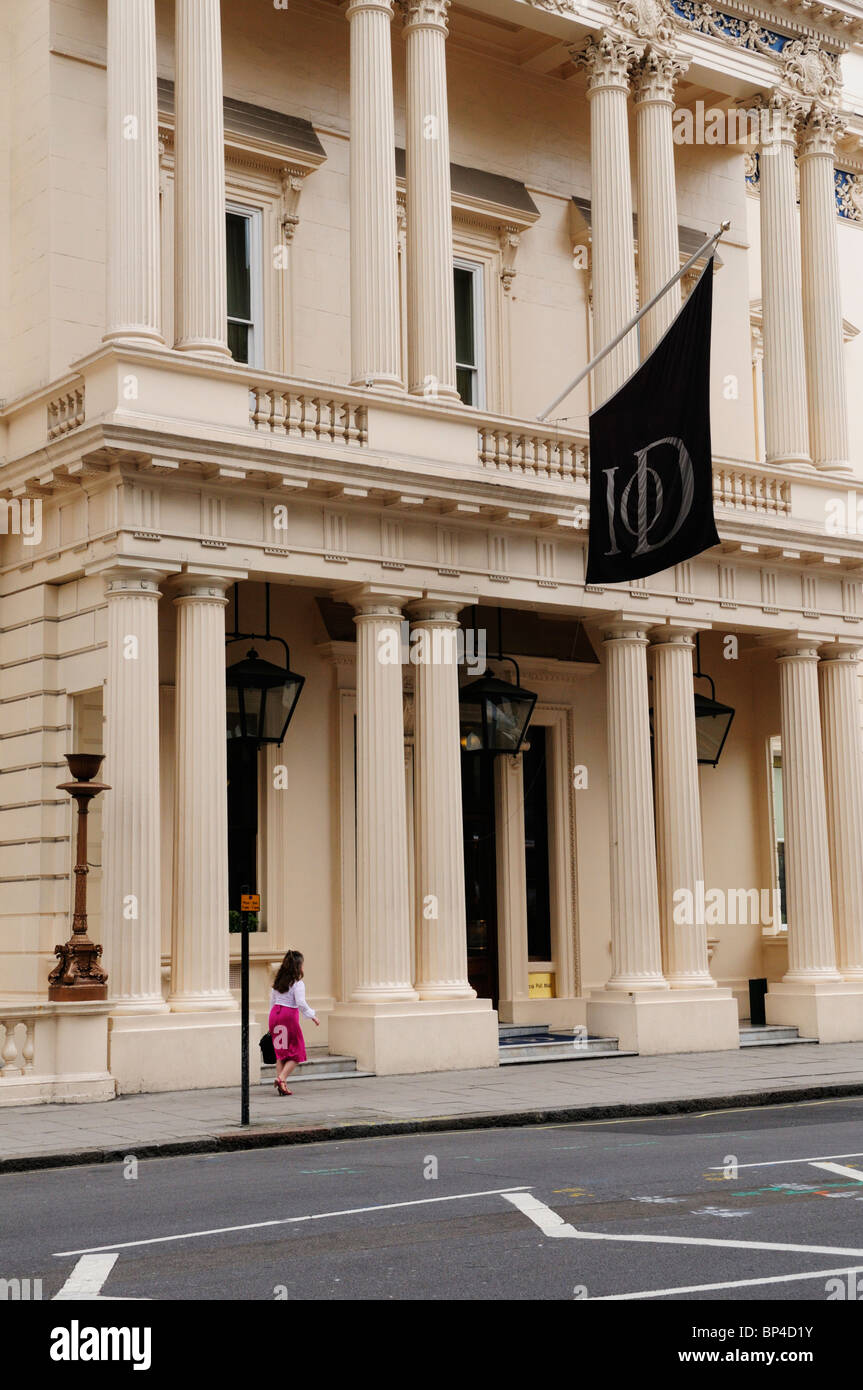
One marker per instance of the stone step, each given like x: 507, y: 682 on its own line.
x: 320, y: 1065
x: 770, y: 1035
x: 561, y: 1046
x: 519, y: 1030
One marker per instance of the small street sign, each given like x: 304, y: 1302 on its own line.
x: 250, y: 902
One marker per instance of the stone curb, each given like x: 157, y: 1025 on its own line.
x: 234, y: 1141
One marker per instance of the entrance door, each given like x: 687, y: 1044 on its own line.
x: 480, y: 872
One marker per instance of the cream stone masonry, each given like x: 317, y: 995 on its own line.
x: 383, y: 958
x: 375, y: 330
x: 441, y: 925
x: 431, y: 308
x: 658, y: 253
x: 636, y: 955
x: 785, y: 420
x: 678, y: 806
x: 133, y: 267
x: 608, y: 59
x: 199, y: 943
x: 131, y: 828
x: 200, y: 283
x: 811, y: 945
x: 839, y: 674
x: 822, y: 296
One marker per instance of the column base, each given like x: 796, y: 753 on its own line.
x: 440, y: 393
x: 829, y: 1010
x: 557, y: 1013
x: 202, y: 1003
x: 179, y: 1052
x: 651, y: 1022
x: 438, y: 1035
x: 790, y: 461
x: 390, y: 383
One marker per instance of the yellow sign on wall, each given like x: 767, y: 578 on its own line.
x: 541, y: 984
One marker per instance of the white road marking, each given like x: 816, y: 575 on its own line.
x: 780, y: 1162
x: 87, y: 1279
x: 289, y: 1220
x: 542, y: 1216
x: 843, y: 1172
x: 553, y: 1225
x: 731, y: 1284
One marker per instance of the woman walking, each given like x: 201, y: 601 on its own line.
x: 287, y: 1002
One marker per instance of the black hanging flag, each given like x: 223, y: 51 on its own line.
x: 651, y: 478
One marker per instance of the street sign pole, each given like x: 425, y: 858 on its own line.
x: 244, y: 1015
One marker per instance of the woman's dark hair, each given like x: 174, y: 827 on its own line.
x: 289, y: 972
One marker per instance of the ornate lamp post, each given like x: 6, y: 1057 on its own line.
x: 78, y: 974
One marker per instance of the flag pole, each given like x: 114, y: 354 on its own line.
x: 627, y: 328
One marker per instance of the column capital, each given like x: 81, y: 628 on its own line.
x: 425, y: 14
x: 655, y: 76
x: 378, y: 600
x: 623, y: 629
x: 841, y: 651
x: 439, y: 608
x: 797, y: 649
x: 783, y: 112
x: 204, y: 585
x: 675, y: 635
x: 607, y: 60
x: 819, y: 132
x: 126, y: 574
x: 386, y: 6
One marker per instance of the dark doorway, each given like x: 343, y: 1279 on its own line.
x: 535, y: 776
x: 242, y: 820
x: 480, y: 872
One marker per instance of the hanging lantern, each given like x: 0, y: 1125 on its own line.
x: 261, y: 699
x: 494, y: 715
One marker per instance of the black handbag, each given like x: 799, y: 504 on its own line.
x: 268, y: 1052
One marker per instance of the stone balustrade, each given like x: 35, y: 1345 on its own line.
x: 18, y: 1049
x: 750, y: 490
x: 536, y: 453
x: 308, y: 415
x: 65, y: 412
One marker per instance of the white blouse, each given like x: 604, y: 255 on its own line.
x: 294, y: 998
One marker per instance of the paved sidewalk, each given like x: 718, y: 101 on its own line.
x: 208, y: 1121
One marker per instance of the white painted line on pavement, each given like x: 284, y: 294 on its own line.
x: 553, y: 1225
x: 843, y: 1172
x: 780, y: 1162
x: 542, y: 1216
x: 732, y: 1284
x: 87, y: 1280
x: 289, y: 1220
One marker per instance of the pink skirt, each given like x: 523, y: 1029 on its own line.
x: 287, y: 1035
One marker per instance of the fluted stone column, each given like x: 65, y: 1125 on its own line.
x: 511, y: 886
x: 785, y: 419
x: 133, y: 274
x: 636, y: 957
x: 431, y: 305
x: 440, y: 891
x: 608, y: 60
x: 383, y: 964
x: 375, y: 329
x: 200, y: 275
x: 811, y: 946
x: 199, y: 948
x: 678, y: 808
x: 658, y: 244
x: 131, y: 825
x: 843, y: 767
x: 822, y: 297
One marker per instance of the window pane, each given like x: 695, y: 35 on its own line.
x: 464, y: 380
x: 239, y: 267
x: 238, y: 341
x: 465, y: 339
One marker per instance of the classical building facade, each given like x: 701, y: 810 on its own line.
x: 285, y: 291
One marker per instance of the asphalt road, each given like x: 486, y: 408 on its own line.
x: 617, y: 1209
